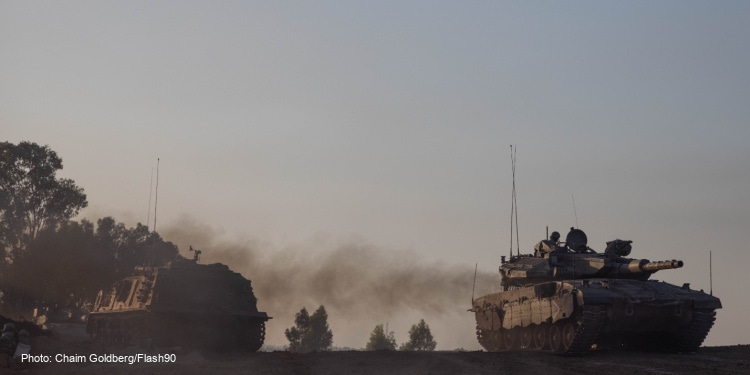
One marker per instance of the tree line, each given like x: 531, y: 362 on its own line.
x: 311, y: 333
x: 47, y: 259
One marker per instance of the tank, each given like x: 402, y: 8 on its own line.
x: 567, y: 298
x: 185, y: 304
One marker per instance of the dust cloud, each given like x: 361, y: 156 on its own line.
x: 359, y: 284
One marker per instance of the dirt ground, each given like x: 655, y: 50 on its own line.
x: 70, y: 340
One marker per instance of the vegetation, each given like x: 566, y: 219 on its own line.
x: 45, y: 258
x: 379, y: 340
x: 420, y: 338
x: 32, y: 198
x: 310, y: 333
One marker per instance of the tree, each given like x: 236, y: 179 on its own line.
x: 31, y: 197
x: 420, y: 338
x: 68, y: 264
x: 295, y: 334
x: 380, y: 341
x: 320, y: 336
x: 130, y: 247
x: 310, y: 333
x: 45, y: 258
x: 67, y: 258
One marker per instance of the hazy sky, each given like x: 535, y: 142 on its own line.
x: 303, y: 123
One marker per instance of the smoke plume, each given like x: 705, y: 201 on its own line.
x: 359, y: 284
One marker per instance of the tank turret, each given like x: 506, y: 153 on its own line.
x: 568, y: 298
x: 573, y: 259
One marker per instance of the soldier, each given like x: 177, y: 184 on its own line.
x: 545, y: 247
x: 9, y: 330
x: 23, y: 337
x: 7, y: 344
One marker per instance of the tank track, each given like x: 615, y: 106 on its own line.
x: 692, y: 336
x: 486, y: 339
x: 252, y: 337
x: 566, y: 337
x: 119, y: 332
x: 592, y: 322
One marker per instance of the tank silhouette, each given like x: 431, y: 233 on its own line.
x: 186, y: 304
x: 567, y: 298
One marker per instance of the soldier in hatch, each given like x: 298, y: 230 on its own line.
x: 545, y: 247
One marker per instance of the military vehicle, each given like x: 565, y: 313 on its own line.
x: 33, y: 329
x: 185, y: 304
x: 568, y: 299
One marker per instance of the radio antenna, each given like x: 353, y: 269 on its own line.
x: 512, y: 198
x: 513, y: 204
x: 156, y: 200
x: 150, y: 193
x: 475, y: 283
x: 574, y: 209
x: 710, y: 273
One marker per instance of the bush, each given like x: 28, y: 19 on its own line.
x: 420, y: 338
x: 310, y: 333
x: 380, y: 341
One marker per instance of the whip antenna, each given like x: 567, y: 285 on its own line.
x: 710, y: 273
x: 574, y: 209
x: 150, y: 192
x: 512, y: 198
x: 475, y: 283
x: 156, y: 200
x: 513, y: 204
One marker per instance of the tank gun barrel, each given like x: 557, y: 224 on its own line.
x: 663, y: 265
x: 643, y: 266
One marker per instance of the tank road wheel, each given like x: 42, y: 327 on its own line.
x: 568, y: 335
x: 510, y: 338
x: 119, y: 338
x: 107, y: 333
x: 126, y: 333
x: 555, y: 337
x: 99, y: 333
x: 541, y: 336
x: 527, y: 337
x: 496, y: 341
x: 516, y: 332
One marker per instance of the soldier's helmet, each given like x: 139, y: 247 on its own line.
x: 554, y: 236
x: 9, y: 327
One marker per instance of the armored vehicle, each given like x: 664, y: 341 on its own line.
x: 567, y: 298
x: 186, y: 304
x: 33, y: 329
